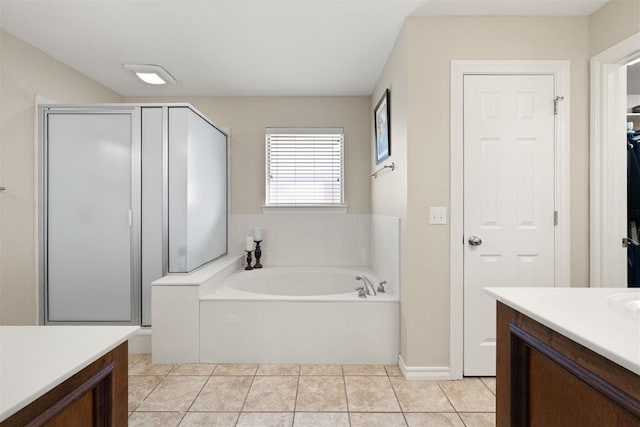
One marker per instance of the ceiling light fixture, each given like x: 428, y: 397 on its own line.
x: 151, y: 74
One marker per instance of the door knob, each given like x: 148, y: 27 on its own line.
x: 475, y: 241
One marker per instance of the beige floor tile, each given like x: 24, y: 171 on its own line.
x: 373, y: 419
x: 155, y: 419
x: 209, y: 419
x: 173, y: 394
x: 490, y: 382
x: 364, y: 370
x: 135, y: 358
x: 235, y: 369
x: 321, y: 419
x: 278, y: 370
x: 469, y: 395
x: 486, y: 419
x: 225, y: 393
x: 265, y: 419
x: 144, y: 367
x: 443, y: 419
x: 272, y: 393
x: 420, y: 396
x: 370, y: 394
x: 320, y: 370
x: 393, y: 370
x: 139, y: 387
x: 321, y: 393
x: 193, y: 369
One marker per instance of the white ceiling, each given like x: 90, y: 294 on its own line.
x: 509, y: 7
x: 240, y: 47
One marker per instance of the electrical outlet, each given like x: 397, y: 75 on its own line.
x: 437, y: 215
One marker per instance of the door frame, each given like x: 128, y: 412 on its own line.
x: 607, y: 225
x: 560, y: 70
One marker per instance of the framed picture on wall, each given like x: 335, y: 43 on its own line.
x: 382, y: 124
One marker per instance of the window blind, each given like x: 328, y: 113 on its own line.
x: 304, y: 167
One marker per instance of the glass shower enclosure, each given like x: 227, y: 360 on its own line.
x: 127, y: 194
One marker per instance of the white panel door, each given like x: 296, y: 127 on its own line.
x: 508, y: 199
x: 89, y: 239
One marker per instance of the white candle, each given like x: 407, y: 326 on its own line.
x: 257, y: 234
x: 249, y: 246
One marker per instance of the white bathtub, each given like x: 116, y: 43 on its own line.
x: 298, y: 315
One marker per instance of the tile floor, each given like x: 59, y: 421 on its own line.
x: 301, y: 395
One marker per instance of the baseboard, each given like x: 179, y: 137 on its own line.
x: 425, y: 373
x: 140, y: 343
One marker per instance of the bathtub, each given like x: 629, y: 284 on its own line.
x: 298, y: 315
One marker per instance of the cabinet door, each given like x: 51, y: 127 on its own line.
x: 89, y: 218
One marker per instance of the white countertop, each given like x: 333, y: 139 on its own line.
x: 35, y: 359
x: 588, y: 316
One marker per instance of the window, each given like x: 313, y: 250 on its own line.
x: 305, y: 167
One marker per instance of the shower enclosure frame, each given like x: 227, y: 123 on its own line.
x: 136, y: 113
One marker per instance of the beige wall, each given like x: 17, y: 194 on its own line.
x: 389, y: 190
x: 247, y: 117
x: 612, y: 23
x: 432, y: 43
x: 24, y: 73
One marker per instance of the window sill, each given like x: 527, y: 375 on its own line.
x: 301, y: 209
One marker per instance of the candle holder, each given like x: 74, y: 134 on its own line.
x: 258, y: 254
x: 248, y: 267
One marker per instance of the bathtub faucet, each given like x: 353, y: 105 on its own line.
x: 367, y: 284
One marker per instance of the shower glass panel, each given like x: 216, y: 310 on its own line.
x: 152, y: 256
x: 197, y: 191
x: 89, y: 234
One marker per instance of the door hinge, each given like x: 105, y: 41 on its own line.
x: 555, y: 217
x: 130, y: 218
x: 556, y: 100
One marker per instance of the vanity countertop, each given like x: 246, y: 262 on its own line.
x: 35, y: 359
x: 605, y: 320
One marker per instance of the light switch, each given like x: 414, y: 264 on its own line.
x: 437, y: 215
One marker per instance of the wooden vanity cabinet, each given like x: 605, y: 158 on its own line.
x: 95, y: 396
x: 545, y: 379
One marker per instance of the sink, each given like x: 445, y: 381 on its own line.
x: 625, y: 303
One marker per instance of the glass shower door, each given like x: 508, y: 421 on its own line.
x: 90, y: 218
